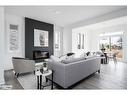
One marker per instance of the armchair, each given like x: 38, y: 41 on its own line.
x: 23, y: 65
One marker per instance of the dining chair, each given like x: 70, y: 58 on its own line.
x: 103, y: 58
x: 112, y: 57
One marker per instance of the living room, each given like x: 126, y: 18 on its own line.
x: 72, y: 34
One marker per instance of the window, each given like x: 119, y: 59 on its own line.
x: 80, y: 41
x: 57, y: 40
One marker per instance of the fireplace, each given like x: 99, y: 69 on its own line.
x: 40, y: 55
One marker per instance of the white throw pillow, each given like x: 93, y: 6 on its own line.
x: 63, y: 57
x: 83, y: 55
x: 56, y: 59
x: 66, y: 57
x: 89, y: 57
x: 73, y: 60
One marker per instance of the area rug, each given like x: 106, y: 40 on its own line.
x: 29, y: 81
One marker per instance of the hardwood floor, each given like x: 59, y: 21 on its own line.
x: 11, y: 80
x: 111, y: 77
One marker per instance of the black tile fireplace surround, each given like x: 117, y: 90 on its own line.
x: 30, y: 25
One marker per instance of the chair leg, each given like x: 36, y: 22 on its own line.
x: 34, y: 72
x: 99, y: 71
x: 17, y: 75
x: 46, y: 79
x: 108, y: 60
x: 115, y: 60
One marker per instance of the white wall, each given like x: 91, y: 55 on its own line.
x: 93, y: 40
x: 15, y: 20
x: 67, y: 40
x: 75, y: 32
x: 59, y: 29
x: 2, y: 45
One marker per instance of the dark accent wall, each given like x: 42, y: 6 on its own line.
x: 30, y: 25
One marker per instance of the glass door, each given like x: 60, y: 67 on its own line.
x: 116, y: 45
x: 112, y: 42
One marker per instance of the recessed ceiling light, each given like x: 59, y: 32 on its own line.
x: 57, y: 12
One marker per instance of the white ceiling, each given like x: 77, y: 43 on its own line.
x: 105, y: 24
x: 62, y: 15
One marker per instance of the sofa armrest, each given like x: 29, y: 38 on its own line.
x: 59, y: 71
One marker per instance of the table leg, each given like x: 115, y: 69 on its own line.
x: 105, y: 58
x: 52, y: 81
x: 38, y: 82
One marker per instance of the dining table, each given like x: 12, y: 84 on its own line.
x: 106, y: 54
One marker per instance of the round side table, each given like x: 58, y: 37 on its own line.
x: 45, y: 74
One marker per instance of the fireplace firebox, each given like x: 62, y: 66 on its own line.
x: 40, y: 55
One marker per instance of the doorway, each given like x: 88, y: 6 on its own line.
x: 112, y: 42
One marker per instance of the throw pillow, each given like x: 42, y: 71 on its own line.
x: 72, y: 60
x: 63, y: 57
x: 89, y: 57
x: 56, y: 59
x: 83, y: 55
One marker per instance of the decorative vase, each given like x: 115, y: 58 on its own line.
x: 45, y: 68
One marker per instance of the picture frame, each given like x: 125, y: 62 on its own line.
x: 13, y: 38
x: 41, y: 38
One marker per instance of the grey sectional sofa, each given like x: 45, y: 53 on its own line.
x: 72, y: 71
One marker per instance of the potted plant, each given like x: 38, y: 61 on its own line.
x: 45, y: 68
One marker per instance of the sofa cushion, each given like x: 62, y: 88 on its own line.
x: 89, y: 57
x: 72, y: 60
x: 56, y: 59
